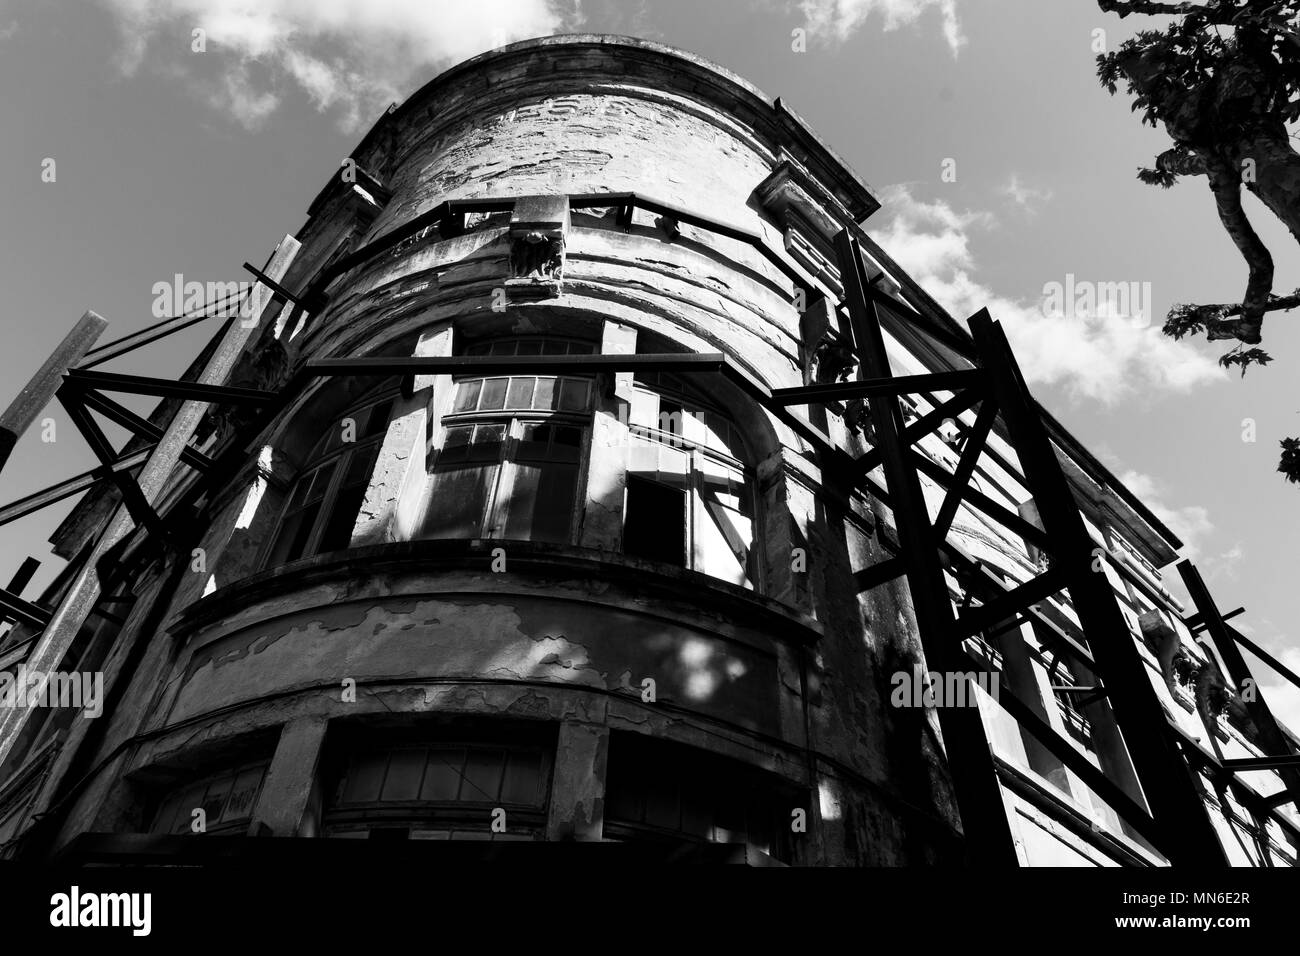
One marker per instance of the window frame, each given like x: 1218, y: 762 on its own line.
x: 495, y: 516
x: 697, y: 453
x: 341, y: 459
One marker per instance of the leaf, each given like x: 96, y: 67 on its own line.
x: 1289, y: 464
x: 1245, y: 359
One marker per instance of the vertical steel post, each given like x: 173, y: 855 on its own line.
x: 970, y: 761
x: 1168, y: 783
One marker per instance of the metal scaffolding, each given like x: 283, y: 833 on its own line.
x: 1170, y: 812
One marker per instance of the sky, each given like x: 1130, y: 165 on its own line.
x: 1003, y: 166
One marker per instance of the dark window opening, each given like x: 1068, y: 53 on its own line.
x: 655, y: 522
x: 440, y: 790
x: 667, y: 792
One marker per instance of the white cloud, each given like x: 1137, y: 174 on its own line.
x: 350, y: 56
x: 1096, y: 354
x: 841, y: 18
x: 1191, y: 522
x: 1026, y: 197
x: 8, y: 30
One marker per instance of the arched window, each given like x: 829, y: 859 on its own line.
x: 322, y: 506
x: 511, y: 451
x: 690, y: 498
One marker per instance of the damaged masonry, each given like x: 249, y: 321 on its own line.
x: 590, y: 476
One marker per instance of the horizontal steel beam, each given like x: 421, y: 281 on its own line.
x: 70, y: 486
x: 865, y: 388
x: 168, y: 388
x: 951, y: 408
x: 1010, y: 603
x: 279, y: 290
x: 142, y: 427
x: 1281, y: 762
x: 25, y: 612
x: 977, y: 499
x: 878, y: 573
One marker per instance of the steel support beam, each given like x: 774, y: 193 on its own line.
x: 36, y: 394
x: 134, y: 498
x: 970, y: 760
x: 899, y: 385
x: 142, y: 427
x: 15, y: 608
x: 970, y: 456
x: 70, y: 486
x: 167, y: 388
x: 942, y: 411
x: 1170, y: 788
x: 1271, y: 739
x: 23, y: 576
x: 84, y: 590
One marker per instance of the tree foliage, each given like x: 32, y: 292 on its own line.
x: 1223, y: 79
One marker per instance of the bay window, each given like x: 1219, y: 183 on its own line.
x: 512, y: 451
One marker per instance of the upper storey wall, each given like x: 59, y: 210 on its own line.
x: 581, y: 114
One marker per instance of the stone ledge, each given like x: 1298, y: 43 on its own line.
x: 738, y: 604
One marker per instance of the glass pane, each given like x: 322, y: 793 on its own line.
x: 337, y: 533
x: 365, y: 777
x: 166, y: 816
x: 540, y: 507
x: 430, y: 834
x: 215, y: 800
x: 520, y: 394
x: 480, y: 348
x: 523, y: 778
x: 188, y: 803
x: 405, y: 768
x: 320, y: 481
x: 467, y: 395
x: 544, y: 396
x: 442, y: 776
x: 534, y: 441
x: 487, y: 442
x: 292, y: 537
x: 457, y: 499
x: 243, y: 793
x: 377, y: 422
x: 573, y: 394
x: 494, y: 394
x: 359, y: 464
x: 482, y: 776
x: 455, y: 447
x: 533, y: 347
x: 551, y: 347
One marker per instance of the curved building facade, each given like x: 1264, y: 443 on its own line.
x: 517, y: 599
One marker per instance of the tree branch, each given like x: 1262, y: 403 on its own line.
x: 1226, y: 186
x: 1154, y: 7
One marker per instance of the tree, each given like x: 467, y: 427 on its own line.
x: 1224, y: 80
